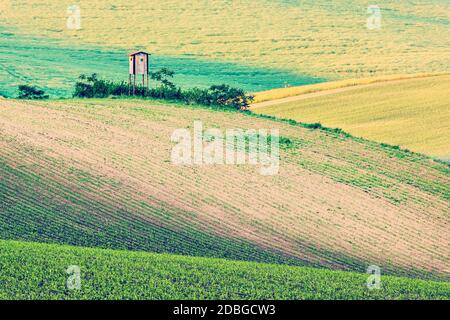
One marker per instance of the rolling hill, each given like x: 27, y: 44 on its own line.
x: 363, y: 178
x: 111, y: 274
x: 97, y: 173
x: 413, y: 113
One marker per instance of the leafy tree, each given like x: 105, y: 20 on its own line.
x: 163, y: 75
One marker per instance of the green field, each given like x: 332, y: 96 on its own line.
x: 55, y: 67
x: 412, y: 113
x: 38, y: 271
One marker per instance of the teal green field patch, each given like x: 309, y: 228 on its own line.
x: 55, y: 68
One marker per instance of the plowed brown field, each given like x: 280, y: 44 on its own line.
x: 337, y: 202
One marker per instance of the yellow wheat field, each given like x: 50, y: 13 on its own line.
x: 413, y: 113
x: 318, y: 38
x: 281, y: 93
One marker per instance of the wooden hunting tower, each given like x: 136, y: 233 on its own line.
x: 138, y: 65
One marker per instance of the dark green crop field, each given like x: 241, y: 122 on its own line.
x: 39, y: 271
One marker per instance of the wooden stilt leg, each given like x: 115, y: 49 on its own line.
x: 129, y: 84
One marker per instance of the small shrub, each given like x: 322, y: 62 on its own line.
x: 93, y: 87
x: 313, y: 125
x: 286, y: 143
x: 31, y: 93
x: 390, y: 146
x: 224, y: 95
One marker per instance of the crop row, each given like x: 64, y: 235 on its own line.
x: 40, y: 271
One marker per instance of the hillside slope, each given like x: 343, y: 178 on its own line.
x: 413, y: 113
x: 98, y: 173
x: 110, y: 274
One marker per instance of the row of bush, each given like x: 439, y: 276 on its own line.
x: 216, y: 95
